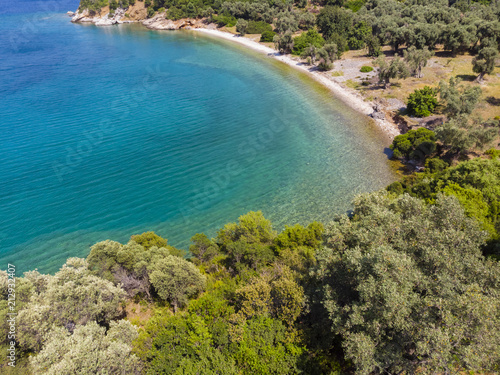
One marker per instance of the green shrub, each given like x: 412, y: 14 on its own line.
x: 258, y: 27
x: 224, y: 20
x: 423, y: 102
x: 309, y: 38
x: 267, y: 36
x: 366, y: 69
x: 435, y: 165
x: 416, y: 144
x: 175, y: 14
x: 151, y: 12
x: 161, y: 10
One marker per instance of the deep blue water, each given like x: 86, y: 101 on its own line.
x: 108, y: 132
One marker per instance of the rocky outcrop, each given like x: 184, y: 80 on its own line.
x: 159, y: 22
x: 98, y: 20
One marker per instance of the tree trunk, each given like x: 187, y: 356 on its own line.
x: 480, y: 77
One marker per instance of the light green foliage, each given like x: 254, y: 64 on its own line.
x: 151, y: 12
x: 461, y: 134
x: 242, y: 26
x: 265, y: 348
x: 415, y: 144
x: 176, y: 280
x: 394, y: 70
x: 94, y: 6
x: 298, y: 236
x: 366, y: 69
x: 407, y: 288
x: 128, y: 264
x: 72, y: 296
x: 183, y: 344
x: 248, y: 242
x: 89, y: 350
x: 460, y: 100
x: 474, y: 177
x: 423, y: 102
x: 286, y: 22
x: 373, y: 46
x: 274, y: 293
x: 310, y: 38
x: 203, y: 249
x: 306, y: 20
x: 326, y: 56
x: 283, y: 42
x: 149, y: 239
x: 417, y: 59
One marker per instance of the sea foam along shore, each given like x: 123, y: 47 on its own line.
x: 351, y: 98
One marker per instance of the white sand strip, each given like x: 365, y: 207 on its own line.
x: 349, y: 97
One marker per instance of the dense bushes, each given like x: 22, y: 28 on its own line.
x: 415, y: 144
x: 310, y: 38
x: 422, y: 103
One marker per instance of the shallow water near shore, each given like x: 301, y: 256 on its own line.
x: 109, y: 132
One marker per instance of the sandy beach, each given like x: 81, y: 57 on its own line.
x: 349, y: 97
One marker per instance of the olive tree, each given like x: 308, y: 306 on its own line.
x: 89, y: 350
x: 407, y: 288
x: 176, y: 280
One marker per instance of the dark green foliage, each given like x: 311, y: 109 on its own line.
x: 310, y: 38
x: 416, y: 144
x: 484, y: 62
x: 224, y: 20
x: 283, y: 42
x: 422, y: 103
x: 434, y: 165
x: 334, y: 20
x: 258, y: 27
x: 366, y: 69
x: 151, y: 12
x: 373, y: 46
x: 267, y: 36
x: 359, y: 34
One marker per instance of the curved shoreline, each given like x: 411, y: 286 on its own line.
x: 350, y: 98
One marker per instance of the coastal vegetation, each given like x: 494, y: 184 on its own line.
x: 406, y: 283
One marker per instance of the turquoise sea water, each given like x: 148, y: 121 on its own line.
x: 108, y: 132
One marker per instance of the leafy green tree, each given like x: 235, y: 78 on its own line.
x: 266, y: 348
x: 203, y: 249
x: 394, y: 70
x: 417, y: 59
x: 149, y: 239
x: 359, y: 34
x: 175, y: 13
x: 267, y: 36
x: 310, y: 38
x: 484, y: 62
x: 176, y: 280
x: 242, y: 26
x: 415, y: 144
x: 334, y: 20
x: 407, y: 288
x: 89, y: 350
x: 423, y: 102
x: 458, y: 98
x: 286, y: 21
x: 306, y: 21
